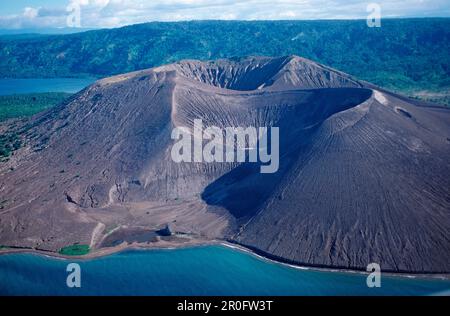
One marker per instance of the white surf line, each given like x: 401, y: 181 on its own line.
x: 325, y: 269
x: 240, y: 248
x: 98, y: 229
x: 380, y: 97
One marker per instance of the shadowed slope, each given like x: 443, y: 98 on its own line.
x: 366, y: 192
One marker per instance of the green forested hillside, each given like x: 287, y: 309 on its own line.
x: 407, y: 55
x: 20, y: 105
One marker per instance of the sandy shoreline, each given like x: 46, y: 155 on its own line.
x: 98, y: 253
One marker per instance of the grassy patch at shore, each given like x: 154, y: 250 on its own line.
x: 75, y: 250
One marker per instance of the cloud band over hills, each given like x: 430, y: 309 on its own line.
x: 115, y: 13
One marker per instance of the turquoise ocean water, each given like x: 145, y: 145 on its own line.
x: 208, y: 270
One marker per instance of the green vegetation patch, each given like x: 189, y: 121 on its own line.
x: 22, y: 105
x: 9, y: 142
x: 75, y: 250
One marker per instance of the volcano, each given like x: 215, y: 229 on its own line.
x: 363, y: 173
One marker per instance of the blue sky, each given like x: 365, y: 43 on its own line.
x: 35, y: 14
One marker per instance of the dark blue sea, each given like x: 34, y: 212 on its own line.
x: 208, y: 270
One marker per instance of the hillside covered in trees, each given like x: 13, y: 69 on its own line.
x: 406, y: 55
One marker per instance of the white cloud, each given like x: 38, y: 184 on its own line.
x: 113, y: 13
x: 30, y: 13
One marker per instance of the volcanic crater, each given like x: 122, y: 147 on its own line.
x: 363, y: 176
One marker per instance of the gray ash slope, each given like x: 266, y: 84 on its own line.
x: 364, y: 174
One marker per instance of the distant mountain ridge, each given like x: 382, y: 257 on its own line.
x: 407, y: 55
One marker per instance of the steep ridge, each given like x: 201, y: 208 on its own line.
x: 363, y: 174
x: 377, y: 178
x: 253, y: 73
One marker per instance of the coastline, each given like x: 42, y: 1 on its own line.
x: 193, y: 243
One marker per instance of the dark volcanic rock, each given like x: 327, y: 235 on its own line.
x: 364, y: 174
x: 166, y: 231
